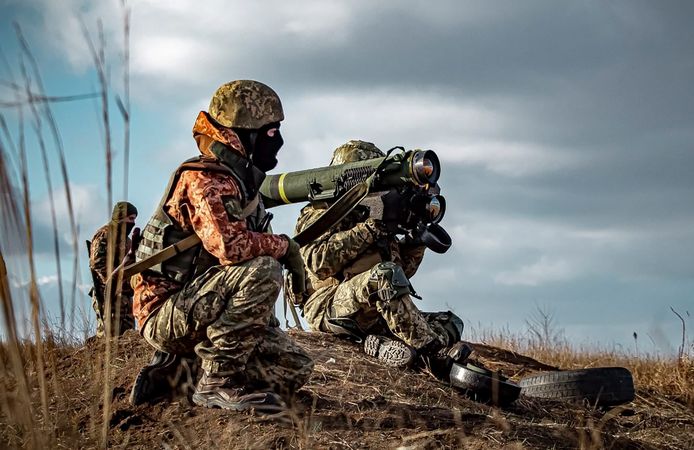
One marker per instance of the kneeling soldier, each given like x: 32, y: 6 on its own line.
x: 358, y: 284
x: 217, y: 298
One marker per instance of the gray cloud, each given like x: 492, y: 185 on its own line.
x: 566, y: 131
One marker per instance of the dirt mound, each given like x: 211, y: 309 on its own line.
x: 350, y: 402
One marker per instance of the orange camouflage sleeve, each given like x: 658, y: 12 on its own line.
x: 209, y: 203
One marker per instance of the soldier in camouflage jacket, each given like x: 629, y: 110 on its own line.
x: 120, y: 304
x: 353, y: 286
x: 217, y: 299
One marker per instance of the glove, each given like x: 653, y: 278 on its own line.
x: 294, y: 263
x: 135, y: 239
x: 414, y: 237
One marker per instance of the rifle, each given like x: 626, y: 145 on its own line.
x: 400, y: 189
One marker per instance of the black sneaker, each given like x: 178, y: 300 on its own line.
x: 390, y: 352
x: 216, y: 392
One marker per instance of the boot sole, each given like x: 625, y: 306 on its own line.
x: 214, y: 401
x: 390, y: 352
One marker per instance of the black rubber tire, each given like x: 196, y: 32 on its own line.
x: 483, y: 385
x: 604, y: 386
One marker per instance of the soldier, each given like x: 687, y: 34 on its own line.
x: 358, y: 284
x: 117, y: 231
x: 217, y: 298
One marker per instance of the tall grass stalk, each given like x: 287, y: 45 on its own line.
x: 31, y: 95
x: 98, y: 57
x: 33, y: 287
x: 38, y: 130
x: 11, y: 226
x: 114, y: 286
x: 58, y: 143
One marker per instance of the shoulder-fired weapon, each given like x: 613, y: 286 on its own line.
x: 400, y: 189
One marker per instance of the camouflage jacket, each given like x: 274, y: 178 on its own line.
x: 345, y: 251
x: 98, y: 257
x: 203, y: 203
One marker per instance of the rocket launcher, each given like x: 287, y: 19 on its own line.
x: 399, y: 189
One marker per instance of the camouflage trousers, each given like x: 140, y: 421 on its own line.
x: 224, y: 316
x: 356, y: 299
x: 121, y: 315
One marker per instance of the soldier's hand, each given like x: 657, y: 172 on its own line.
x: 414, y: 237
x: 136, y: 239
x: 294, y: 263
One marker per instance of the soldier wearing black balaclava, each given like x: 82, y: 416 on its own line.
x: 215, y: 301
x: 109, y: 296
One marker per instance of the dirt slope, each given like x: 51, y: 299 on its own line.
x: 352, y: 402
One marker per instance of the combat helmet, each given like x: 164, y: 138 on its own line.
x: 353, y: 151
x: 246, y: 104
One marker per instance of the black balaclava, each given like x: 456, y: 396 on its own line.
x: 129, y: 227
x: 261, y: 148
x: 121, y: 210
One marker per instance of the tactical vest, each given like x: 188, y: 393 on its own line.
x: 161, y: 231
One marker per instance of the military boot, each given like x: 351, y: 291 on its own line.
x: 391, y: 352
x: 214, y: 391
x: 165, y: 375
x: 345, y: 327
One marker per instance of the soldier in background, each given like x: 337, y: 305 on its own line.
x: 358, y: 284
x: 117, y: 232
x: 217, y: 298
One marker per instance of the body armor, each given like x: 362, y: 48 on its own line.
x: 161, y: 232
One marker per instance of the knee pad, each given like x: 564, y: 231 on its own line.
x: 388, y: 281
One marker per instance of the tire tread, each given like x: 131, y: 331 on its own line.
x: 601, y: 386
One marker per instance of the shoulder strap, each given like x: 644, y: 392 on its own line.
x: 251, y: 207
x: 334, y: 214
x: 168, y: 253
x: 180, y: 246
x: 213, y: 165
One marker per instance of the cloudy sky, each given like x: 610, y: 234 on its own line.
x: 566, y: 130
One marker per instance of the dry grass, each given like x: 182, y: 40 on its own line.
x: 349, y: 402
x: 30, y: 359
x: 669, y: 376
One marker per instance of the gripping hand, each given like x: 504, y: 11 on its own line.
x: 294, y: 263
